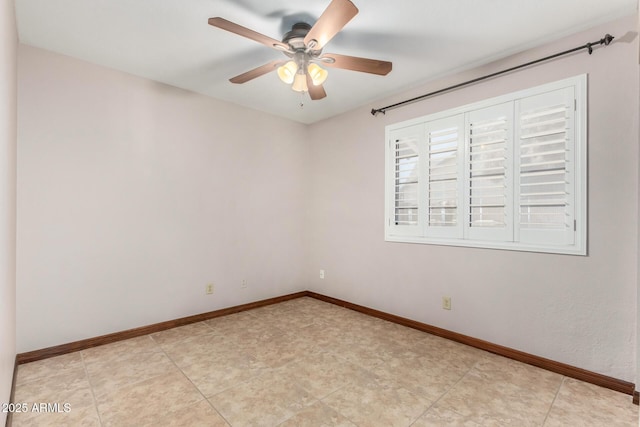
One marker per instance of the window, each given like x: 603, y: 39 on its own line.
x: 504, y: 173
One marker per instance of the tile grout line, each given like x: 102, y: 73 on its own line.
x: 363, y: 368
x: 334, y: 409
x: 189, y: 379
x: 227, y: 388
x: 553, y: 401
x: 93, y: 392
x: 447, y: 392
x: 284, y: 332
x: 137, y: 381
x: 134, y: 382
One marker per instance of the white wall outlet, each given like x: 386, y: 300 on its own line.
x: 244, y: 283
x: 446, y: 303
x: 209, y: 288
x: 322, y: 274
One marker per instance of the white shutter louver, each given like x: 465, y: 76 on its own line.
x: 489, y: 172
x: 444, y: 147
x: 405, y: 145
x: 406, y: 203
x: 545, y: 185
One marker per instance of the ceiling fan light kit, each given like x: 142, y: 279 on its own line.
x: 317, y: 73
x: 300, y: 83
x: 303, y: 45
x: 295, y: 72
x: 287, y: 72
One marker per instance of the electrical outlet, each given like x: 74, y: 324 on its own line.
x: 322, y: 274
x: 243, y: 284
x: 208, y: 289
x: 446, y: 303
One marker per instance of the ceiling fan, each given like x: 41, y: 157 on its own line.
x: 303, y: 45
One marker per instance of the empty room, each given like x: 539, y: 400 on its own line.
x: 332, y: 212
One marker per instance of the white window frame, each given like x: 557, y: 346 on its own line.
x: 423, y: 233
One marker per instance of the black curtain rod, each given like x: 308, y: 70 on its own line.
x: 606, y: 40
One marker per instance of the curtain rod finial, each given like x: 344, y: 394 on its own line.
x: 608, y: 38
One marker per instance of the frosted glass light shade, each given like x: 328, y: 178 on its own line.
x: 318, y: 74
x: 300, y: 83
x: 287, y: 72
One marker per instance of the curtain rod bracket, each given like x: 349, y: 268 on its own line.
x: 606, y: 40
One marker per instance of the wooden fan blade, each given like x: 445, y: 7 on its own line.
x: 332, y: 20
x: 364, y: 65
x: 315, y: 92
x: 257, y: 72
x: 245, y: 32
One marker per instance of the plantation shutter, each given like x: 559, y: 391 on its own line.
x: 445, y: 174
x: 504, y: 173
x: 546, y: 168
x: 405, y: 211
x: 489, y: 174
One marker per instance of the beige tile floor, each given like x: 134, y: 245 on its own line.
x: 305, y: 363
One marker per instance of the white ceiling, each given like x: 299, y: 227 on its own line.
x: 170, y: 41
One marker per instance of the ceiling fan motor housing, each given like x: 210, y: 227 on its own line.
x: 295, y: 39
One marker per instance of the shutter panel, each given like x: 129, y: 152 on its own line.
x: 546, y: 168
x: 405, y: 194
x: 445, y: 173
x: 489, y: 172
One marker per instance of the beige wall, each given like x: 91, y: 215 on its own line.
x: 133, y: 195
x: 8, y: 43
x: 573, y: 309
